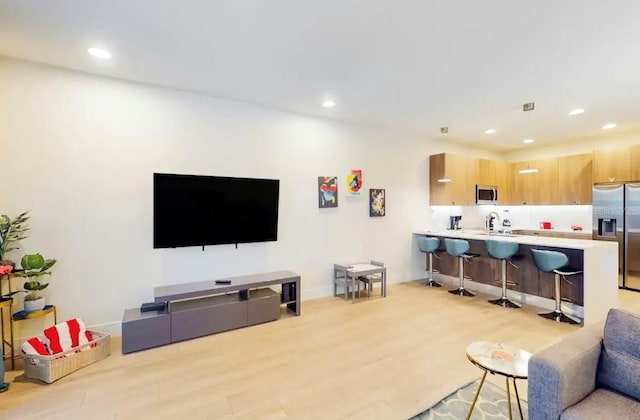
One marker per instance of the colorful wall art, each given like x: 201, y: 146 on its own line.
x: 327, y: 191
x: 354, y: 182
x: 376, y: 202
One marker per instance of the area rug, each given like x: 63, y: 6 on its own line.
x: 491, y: 404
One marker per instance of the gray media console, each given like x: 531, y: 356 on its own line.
x: 202, y: 308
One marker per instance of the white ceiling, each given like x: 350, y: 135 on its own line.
x: 409, y: 65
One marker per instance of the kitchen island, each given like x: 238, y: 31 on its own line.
x: 591, y: 293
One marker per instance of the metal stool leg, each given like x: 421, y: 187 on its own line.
x: 430, y: 281
x: 461, y: 291
x: 504, y: 300
x: 557, y: 315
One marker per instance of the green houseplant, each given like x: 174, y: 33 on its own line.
x: 11, y: 231
x: 35, y: 267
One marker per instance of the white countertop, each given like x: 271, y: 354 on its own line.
x: 521, y: 239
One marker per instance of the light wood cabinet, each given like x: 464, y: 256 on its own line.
x: 461, y: 171
x: 635, y: 163
x: 539, y: 188
x: 564, y: 180
x: 575, y: 179
x: 504, y: 183
x: 612, y: 165
x: 487, y: 172
x: 546, y: 190
x: 523, y: 185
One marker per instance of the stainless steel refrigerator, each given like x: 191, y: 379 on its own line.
x: 616, y: 217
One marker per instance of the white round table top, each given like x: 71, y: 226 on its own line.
x: 499, y: 358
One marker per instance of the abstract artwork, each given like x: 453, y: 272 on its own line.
x: 376, y: 202
x: 327, y: 191
x: 354, y: 182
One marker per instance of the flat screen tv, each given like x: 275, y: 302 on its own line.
x: 194, y: 210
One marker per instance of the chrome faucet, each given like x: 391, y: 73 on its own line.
x: 491, y: 220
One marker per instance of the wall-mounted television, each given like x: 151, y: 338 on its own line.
x: 194, y: 210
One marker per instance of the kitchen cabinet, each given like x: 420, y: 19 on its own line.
x: 612, y: 165
x: 575, y: 179
x: 635, y: 163
x: 539, y: 188
x: 546, y: 190
x: 462, y: 171
x: 504, y: 182
x: 523, y: 185
x: 487, y: 172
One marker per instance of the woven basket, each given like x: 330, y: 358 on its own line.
x: 54, y: 367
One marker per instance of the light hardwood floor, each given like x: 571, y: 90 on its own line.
x: 380, y: 358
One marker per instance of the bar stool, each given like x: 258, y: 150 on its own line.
x: 501, y: 250
x: 555, y: 262
x: 430, y: 245
x: 458, y: 248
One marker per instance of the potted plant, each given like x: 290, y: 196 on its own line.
x: 34, y: 267
x: 11, y: 231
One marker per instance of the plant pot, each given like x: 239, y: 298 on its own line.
x: 34, y: 305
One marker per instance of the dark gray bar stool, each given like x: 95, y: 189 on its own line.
x: 459, y: 248
x: 430, y: 245
x: 555, y: 262
x: 504, y: 251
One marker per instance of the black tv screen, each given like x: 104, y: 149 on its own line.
x: 191, y: 210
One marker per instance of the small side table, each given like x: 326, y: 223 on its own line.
x: 501, y: 359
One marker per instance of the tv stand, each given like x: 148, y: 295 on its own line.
x: 202, y: 308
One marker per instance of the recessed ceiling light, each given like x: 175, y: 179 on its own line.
x: 609, y: 126
x: 99, y: 53
x: 576, y: 111
x: 528, y: 140
x: 490, y: 131
x: 328, y: 103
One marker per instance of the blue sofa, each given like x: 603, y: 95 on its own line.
x: 591, y: 374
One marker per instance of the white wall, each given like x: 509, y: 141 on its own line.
x: 79, y: 151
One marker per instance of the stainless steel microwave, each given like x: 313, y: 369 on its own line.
x: 486, y: 194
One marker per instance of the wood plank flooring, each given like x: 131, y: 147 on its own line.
x: 378, y: 359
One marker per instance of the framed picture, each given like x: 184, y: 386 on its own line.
x: 327, y: 191
x: 376, y: 202
x: 354, y: 183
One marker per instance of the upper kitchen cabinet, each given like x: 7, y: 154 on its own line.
x: 487, y: 172
x: 522, y: 184
x: 635, y: 163
x: 546, y: 191
x: 612, y: 165
x: 504, y: 182
x: 452, y: 179
x: 575, y: 179
x: 538, y: 188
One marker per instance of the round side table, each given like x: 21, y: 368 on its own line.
x: 500, y: 359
